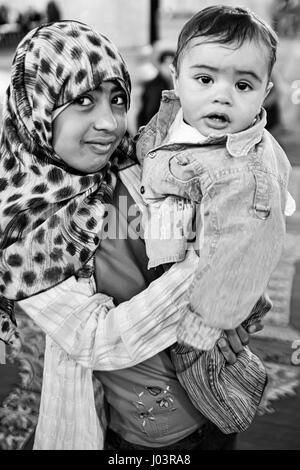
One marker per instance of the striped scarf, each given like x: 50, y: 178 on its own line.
x: 50, y: 215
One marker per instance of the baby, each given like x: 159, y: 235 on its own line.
x: 207, y: 152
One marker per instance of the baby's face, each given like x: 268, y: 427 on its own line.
x: 221, y: 87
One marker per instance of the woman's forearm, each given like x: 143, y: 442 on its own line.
x: 100, y: 336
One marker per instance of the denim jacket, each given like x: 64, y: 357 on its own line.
x: 239, y: 185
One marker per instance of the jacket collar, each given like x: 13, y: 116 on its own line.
x: 237, y: 145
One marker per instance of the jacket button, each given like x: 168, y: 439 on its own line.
x: 142, y: 189
x: 96, y: 240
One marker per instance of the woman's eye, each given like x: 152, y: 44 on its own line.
x: 119, y: 99
x: 205, y: 80
x: 243, y: 86
x: 83, y: 101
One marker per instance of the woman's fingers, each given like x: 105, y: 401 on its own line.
x: 243, y: 335
x: 258, y: 326
x: 234, y: 339
x: 226, y: 351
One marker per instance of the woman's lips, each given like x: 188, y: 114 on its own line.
x: 100, y: 147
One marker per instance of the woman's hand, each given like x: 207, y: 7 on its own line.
x: 236, y: 340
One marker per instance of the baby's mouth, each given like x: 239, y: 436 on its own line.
x: 217, y: 120
x: 221, y: 117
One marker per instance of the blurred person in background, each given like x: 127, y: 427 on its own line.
x: 52, y: 12
x: 3, y: 14
x: 28, y: 19
x: 151, y: 94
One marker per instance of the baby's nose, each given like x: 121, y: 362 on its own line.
x: 223, y: 95
x: 223, y: 99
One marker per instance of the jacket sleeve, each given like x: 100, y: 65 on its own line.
x: 100, y: 336
x: 243, y: 234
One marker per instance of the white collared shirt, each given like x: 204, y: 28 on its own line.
x: 180, y: 132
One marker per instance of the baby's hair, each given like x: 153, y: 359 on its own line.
x: 227, y: 25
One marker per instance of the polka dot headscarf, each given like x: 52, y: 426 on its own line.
x: 51, y: 216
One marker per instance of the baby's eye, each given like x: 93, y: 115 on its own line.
x: 83, y: 100
x: 243, y: 86
x: 205, y: 79
x: 119, y: 100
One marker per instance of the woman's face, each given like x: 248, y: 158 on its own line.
x: 88, y: 131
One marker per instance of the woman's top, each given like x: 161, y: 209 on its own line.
x: 148, y: 406
x: 85, y: 332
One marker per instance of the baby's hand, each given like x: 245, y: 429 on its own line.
x: 236, y: 340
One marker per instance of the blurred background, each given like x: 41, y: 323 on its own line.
x: 146, y: 33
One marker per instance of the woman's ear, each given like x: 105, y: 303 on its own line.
x: 174, y: 78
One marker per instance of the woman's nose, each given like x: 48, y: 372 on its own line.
x: 104, y: 118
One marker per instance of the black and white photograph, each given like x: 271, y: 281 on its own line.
x: 150, y: 323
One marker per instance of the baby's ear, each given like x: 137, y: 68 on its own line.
x: 269, y: 88
x: 174, y: 78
